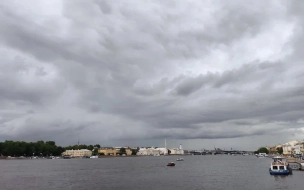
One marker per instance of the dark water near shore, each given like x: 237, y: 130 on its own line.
x: 196, y: 172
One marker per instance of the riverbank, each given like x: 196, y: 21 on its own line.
x: 49, y: 158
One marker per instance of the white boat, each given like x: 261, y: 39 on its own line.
x: 94, y: 157
x: 261, y: 155
x: 179, y: 159
x: 279, y: 167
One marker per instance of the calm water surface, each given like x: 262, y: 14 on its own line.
x: 196, y: 172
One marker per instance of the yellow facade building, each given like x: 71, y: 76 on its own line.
x: 272, y: 149
x: 109, y: 151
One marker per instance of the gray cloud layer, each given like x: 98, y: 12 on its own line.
x: 150, y: 69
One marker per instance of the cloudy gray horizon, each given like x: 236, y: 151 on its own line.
x: 205, y: 74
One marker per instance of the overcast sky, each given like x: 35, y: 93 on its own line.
x: 202, y: 73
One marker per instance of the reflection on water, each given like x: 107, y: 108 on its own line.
x: 196, y: 172
x: 278, y: 177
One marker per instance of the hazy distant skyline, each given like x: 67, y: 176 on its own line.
x: 205, y: 74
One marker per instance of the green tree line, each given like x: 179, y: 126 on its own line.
x: 82, y: 146
x: 279, y: 150
x: 39, y: 148
x: 21, y: 148
x: 48, y: 148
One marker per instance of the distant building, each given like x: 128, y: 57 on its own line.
x: 177, y: 151
x: 163, y: 151
x: 301, y: 145
x: 291, y: 148
x: 77, y: 153
x: 110, y: 151
x: 153, y: 151
x: 149, y: 152
x: 272, y: 149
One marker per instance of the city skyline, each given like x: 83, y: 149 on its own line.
x: 202, y: 74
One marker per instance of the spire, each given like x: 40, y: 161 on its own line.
x: 166, y: 149
x: 78, y: 141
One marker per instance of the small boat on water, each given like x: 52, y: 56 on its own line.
x: 171, y: 164
x: 179, y: 159
x: 66, y: 157
x: 262, y: 155
x: 279, y: 167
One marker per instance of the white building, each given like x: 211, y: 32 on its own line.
x: 163, y: 151
x: 153, y: 151
x: 148, y: 152
x: 77, y: 153
x: 177, y: 151
x: 160, y: 151
x: 292, y: 147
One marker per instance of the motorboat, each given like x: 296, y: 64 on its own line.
x: 171, y: 164
x: 66, y: 157
x: 179, y: 159
x: 279, y: 167
x: 262, y: 155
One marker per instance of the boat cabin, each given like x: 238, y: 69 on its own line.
x: 278, y: 164
x: 279, y: 167
x: 277, y: 159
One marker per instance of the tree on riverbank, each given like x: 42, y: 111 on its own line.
x: 280, y: 150
x: 134, y: 151
x: 262, y: 150
x: 122, y: 151
x: 95, y: 152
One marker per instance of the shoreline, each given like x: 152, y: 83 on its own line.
x: 132, y: 156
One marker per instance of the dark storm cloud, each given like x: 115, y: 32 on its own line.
x: 153, y: 69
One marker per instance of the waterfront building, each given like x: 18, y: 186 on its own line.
x: 163, y: 151
x: 110, y: 151
x: 301, y: 147
x: 127, y: 149
x: 153, y: 151
x: 291, y: 148
x: 177, y: 151
x: 149, y: 152
x: 77, y: 153
x: 272, y: 149
x: 160, y: 151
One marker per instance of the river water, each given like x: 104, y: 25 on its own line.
x: 196, y: 172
